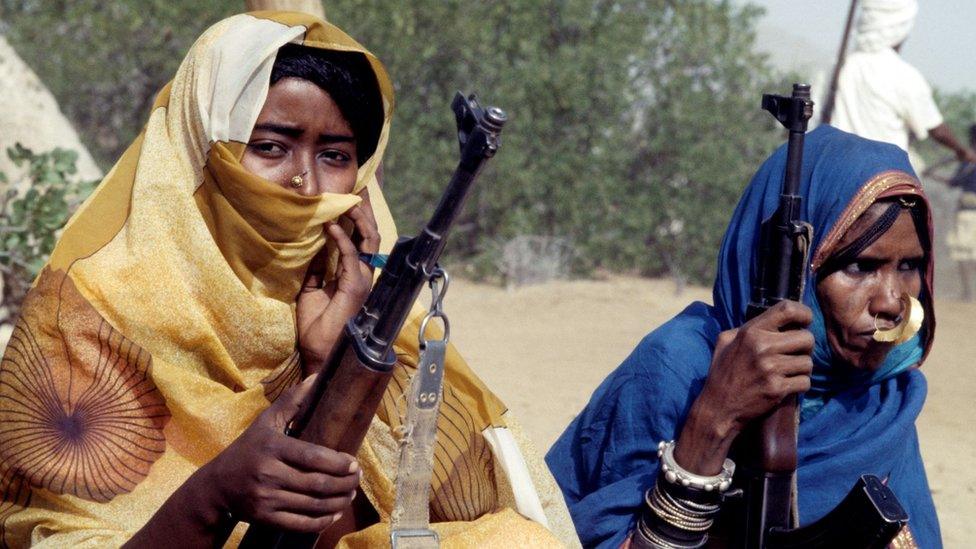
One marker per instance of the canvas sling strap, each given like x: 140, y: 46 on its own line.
x: 410, y: 521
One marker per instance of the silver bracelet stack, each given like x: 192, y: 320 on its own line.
x: 681, y: 506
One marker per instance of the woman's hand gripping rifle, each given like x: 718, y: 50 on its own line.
x: 349, y: 388
x: 870, y: 515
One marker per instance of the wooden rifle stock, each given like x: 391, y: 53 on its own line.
x: 353, y: 391
x: 343, y: 402
x: 350, y: 386
x: 766, y: 456
x: 778, y: 435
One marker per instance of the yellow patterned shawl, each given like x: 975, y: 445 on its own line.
x: 165, y: 322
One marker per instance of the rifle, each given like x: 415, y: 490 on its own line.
x: 828, y: 109
x: 351, y: 384
x: 765, y: 517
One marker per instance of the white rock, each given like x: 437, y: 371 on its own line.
x: 5, y: 331
x: 29, y: 114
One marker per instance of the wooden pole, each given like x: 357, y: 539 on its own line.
x: 312, y: 7
x: 828, y: 108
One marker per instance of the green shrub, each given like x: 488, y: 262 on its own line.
x: 32, y: 212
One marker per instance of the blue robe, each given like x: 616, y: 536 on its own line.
x: 854, y: 423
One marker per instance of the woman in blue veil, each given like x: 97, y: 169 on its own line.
x: 860, y: 398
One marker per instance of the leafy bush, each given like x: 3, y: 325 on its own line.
x: 32, y: 212
x: 634, y: 124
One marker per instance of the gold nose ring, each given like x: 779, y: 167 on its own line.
x: 897, y: 321
x: 298, y: 181
x: 907, y: 326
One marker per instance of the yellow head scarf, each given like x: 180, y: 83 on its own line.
x: 165, y: 319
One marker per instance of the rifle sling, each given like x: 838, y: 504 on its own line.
x: 410, y: 520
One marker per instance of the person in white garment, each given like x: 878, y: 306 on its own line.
x: 882, y: 97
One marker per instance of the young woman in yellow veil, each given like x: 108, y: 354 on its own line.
x: 145, y: 389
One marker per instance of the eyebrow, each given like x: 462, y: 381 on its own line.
x: 873, y: 258
x: 295, y: 131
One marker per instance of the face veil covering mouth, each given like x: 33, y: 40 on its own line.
x: 267, y: 234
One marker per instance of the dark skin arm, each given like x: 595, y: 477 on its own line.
x: 945, y: 137
x: 753, y: 369
x: 265, y: 476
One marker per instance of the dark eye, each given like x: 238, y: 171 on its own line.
x: 861, y: 266
x: 268, y: 149
x: 911, y: 264
x: 335, y: 156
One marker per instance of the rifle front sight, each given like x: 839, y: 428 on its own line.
x: 792, y: 112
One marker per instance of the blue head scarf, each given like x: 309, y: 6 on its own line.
x: 841, y: 175
x: 858, y: 423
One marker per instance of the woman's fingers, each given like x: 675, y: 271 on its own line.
x: 349, y: 262
x: 320, y: 485
x: 313, y: 506
x: 296, y: 522
x: 342, y: 240
x: 796, y: 366
x: 367, y: 207
x: 286, y: 488
x: 366, y: 226
x: 368, y: 237
x: 763, y: 361
x: 289, y: 404
x: 784, y: 315
x: 310, y: 457
x: 366, y: 229
x: 315, y: 275
x: 796, y: 384
x: 790, y: 342
x: 785, y: 376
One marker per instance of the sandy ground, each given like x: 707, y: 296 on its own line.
x: 544, y: 349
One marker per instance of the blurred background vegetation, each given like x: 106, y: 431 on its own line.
x: 30, y: 221
x: 634, y: 123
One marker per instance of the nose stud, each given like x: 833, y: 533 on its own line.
x: 298, y: 181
